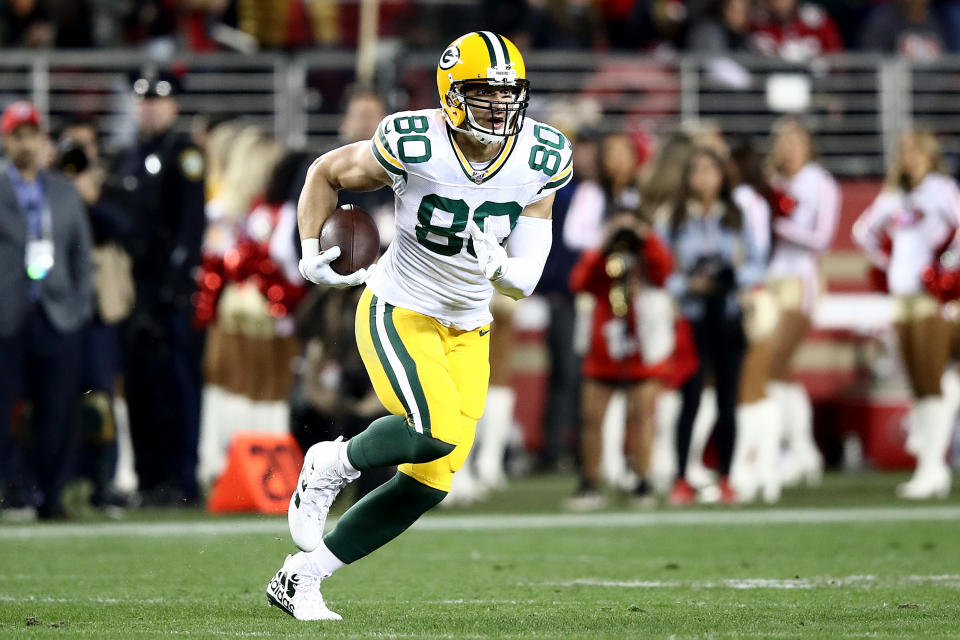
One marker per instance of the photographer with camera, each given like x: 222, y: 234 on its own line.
x: 78, y: 157
x: 703, y: 227
x: 631, y: 341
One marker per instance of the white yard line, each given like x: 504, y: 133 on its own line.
x: 951, y: 581
x: 277, y: 526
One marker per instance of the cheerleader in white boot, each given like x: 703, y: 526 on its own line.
x: 919, y: 211
x: 806, y: 230
x: 496, y: 426
x: 755, y: 467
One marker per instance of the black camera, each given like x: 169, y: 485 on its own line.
x: 71, y: 158
x: 624, y: 240
x: 718, y: 270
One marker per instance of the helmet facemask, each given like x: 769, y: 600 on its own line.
x: 510, y: 113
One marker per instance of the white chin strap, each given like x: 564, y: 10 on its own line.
x: 480, y: 134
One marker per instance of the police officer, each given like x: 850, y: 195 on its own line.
x: 161, y: 180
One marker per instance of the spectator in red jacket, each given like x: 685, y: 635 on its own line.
x: 795, y: 31
x: 626, y: 350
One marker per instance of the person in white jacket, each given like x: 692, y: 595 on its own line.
x: 907, y: 227
x: 805, y: 230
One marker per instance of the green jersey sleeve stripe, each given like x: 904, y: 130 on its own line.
x: 558, y: 183
x: 385, y: 164
x: 385, y: 143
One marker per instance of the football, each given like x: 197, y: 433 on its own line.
x: 354, y: 231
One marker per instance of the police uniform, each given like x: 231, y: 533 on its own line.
x: 160, y: 180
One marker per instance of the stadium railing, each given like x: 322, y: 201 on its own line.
x: 856, y: 103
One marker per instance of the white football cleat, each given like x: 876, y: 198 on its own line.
x: 321, y: 479
x: 297, y: 592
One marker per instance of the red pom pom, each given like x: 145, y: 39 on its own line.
x: 212, y: 281
x: 947, y: 284
x: 275, y: 293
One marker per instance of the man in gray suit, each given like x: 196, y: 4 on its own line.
x: 46, y: 293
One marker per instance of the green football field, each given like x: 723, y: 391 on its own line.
x: 844, y: 561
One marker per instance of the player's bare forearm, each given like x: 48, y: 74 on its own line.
x: 540, y: 208
x: 350, y: 167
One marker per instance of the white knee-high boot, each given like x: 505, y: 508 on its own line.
x: 211, y: 453
x: 809, y: 457
x: 663, y: 461
x: 493, y: 431
x: 613, y: 460
x: 934, y: 426
x: 914, y: 440
x: 698, y: 475
x: 803, y: 461
x: 769, y: 433
x: 466, y: 488
x: 744, y: 471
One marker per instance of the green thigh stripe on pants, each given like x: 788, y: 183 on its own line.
x: 399, y: 366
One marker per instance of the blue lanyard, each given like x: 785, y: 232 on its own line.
x: 35, y: 209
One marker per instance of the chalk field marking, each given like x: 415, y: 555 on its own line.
x: 278, y: 526
x: 950, y: 581
x: 868, y: 581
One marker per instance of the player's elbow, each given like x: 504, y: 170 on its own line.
x: 321, y: 173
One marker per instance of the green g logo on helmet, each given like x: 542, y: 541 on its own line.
x: 450, y: 57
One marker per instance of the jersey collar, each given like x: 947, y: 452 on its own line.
x: 480, y: 176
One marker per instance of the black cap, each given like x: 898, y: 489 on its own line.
x: 152, y: 83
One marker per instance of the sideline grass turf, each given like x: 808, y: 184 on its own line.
x: 856, y: 579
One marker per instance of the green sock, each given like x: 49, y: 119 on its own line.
x: 391, y: 441
x: 381, y: 516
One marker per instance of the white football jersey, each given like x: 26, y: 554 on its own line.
x: 431, y: 267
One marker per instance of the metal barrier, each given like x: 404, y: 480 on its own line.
x: 856, y: 104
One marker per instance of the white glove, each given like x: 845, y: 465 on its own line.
x: 491, y: 257
x: 315, y: 267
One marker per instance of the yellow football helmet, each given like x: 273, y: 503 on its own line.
x: 483, y: 58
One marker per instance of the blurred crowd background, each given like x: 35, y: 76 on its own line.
x: 917, y: 28
x: 704, y: 283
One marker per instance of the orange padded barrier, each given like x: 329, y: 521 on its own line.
x: 261, y: 474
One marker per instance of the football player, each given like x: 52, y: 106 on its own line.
x: 474, y: 183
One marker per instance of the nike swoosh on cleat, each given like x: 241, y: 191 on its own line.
x: 483, y: 333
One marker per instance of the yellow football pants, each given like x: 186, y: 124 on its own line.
x: 434, y: 375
